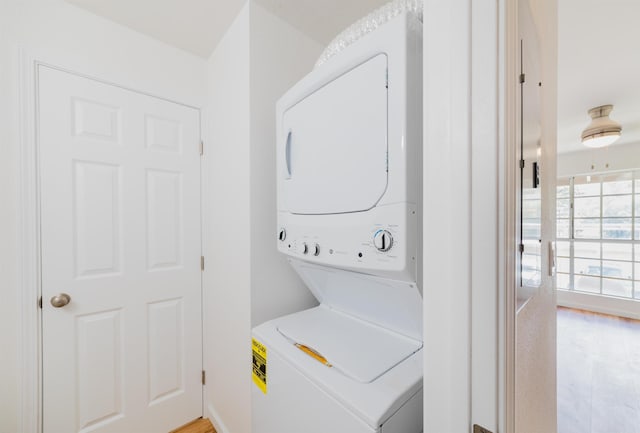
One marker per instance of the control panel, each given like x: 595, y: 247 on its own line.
x: 377, y: 244
x: 303, y: 249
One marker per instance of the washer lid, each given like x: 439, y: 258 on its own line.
x: 391, y: 304
x: 358, y: 349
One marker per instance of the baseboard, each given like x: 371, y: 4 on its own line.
x: 215, y: 419
x: 600, y: 304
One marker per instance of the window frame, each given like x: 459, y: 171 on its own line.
x: 572, y: 240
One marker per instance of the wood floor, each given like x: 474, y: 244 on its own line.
x: 598, y: 373
x: 201, y: 425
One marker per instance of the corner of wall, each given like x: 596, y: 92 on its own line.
x: 216, y: 419
x: 259, y: 57
x: 226, y: 231
x: 280, y: 56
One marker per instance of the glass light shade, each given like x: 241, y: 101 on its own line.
x: 601, y: 140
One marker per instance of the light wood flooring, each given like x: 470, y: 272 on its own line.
x: 201, y: 425
x: 598, y: 373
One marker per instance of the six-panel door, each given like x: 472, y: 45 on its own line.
x: 120, y: 227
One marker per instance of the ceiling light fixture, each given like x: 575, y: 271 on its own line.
x: 602, y: 131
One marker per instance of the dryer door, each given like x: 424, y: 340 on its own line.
x: 333, y: 145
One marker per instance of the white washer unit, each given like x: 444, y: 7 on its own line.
x: 348, y: 150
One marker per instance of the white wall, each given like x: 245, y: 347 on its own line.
x: 9, y: 308
x: 246, y: 281
x: 280, y: 56
x: 227, y: 244
x: 612, y: 158
x: 63, y: 35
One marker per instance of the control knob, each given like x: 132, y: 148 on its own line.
x: 303, y: 248
x: 383, y: 240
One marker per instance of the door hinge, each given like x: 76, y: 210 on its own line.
x: 40, y: 302
x: 521, y: 248
x: 201, y: 147
x: 478, y: 429
x: 522, y: 163
x: 202, y: 263
x: 204, y: 377
x: 521, y: 78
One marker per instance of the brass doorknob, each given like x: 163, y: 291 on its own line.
x: 60, y: 300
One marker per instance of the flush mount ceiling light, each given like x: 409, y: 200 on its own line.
x: 602, y: 131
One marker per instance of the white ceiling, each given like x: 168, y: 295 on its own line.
x: 598, y: 64
x: 192, y: 25
x: 197, y: 25
x: 598, y: 45
x: 321, y: 20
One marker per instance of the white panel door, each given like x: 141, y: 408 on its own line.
x: 120, y: 226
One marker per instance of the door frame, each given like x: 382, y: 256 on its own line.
x: 470, y: 131
x: 30, y: 383
x: 469, y: 170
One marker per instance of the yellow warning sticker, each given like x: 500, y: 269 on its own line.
x: 259, y: 373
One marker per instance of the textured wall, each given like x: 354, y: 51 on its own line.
x: 536, y: 365
x: 536, y: 321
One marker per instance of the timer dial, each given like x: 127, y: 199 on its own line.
x: 383, y: 240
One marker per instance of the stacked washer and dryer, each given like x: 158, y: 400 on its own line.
x: 348, y: 165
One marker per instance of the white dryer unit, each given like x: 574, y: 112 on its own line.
x: 349, y: 137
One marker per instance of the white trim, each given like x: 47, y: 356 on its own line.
x: 599, y: 304
x: 215, y: 419
x: 485, y: 201
x: 447, y: 232
x: 111, y: 83
x: 469, y: 170
x: 508, y: 72
x: 30, y: 408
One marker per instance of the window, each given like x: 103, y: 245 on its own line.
x: 598, y: 234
